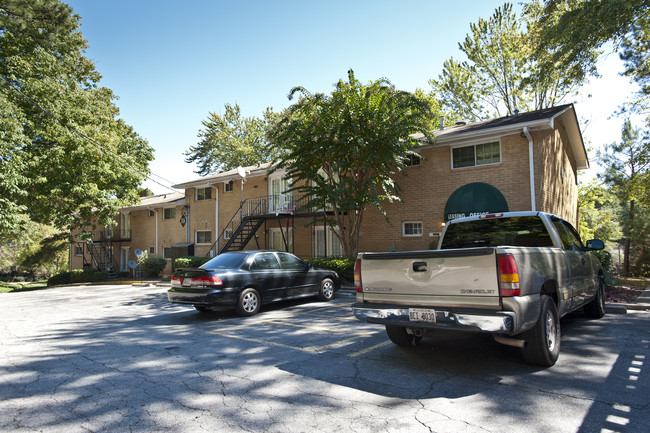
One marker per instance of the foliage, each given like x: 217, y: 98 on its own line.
x: 85, y: 275
x: 627, y: 174
x: 344, y: 266
x: 21, y: 287
x: 152, y: 266
x: 65, y: 157
x: 605, y: 259
x: 60, y: 278
x: 190, y: 262
x: 503, y: 72
x: 230, y: 141
x: 100, y: 276
x: 623, y: 22
x: 342, y: 151
x: 599, y: 213
x: 38, y: 248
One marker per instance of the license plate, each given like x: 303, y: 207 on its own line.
x: 187, y: 282
x: 422, y: 315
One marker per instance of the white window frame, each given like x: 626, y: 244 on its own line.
x: 411, y: 160
x: 334, y: 247
x: 196, y: 237
x: 78, y: 250
x: 227, y: 234
x: 172, y: 210
x: 274, y: 231
x: 228, y: 186
x: 413, y: 225
x: 202, y: 197
x: 166, y: 252
x: 474, y: 146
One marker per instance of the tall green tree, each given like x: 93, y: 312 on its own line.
x: 231, y: 140
x: 571, y: 29
x: 65, y: 156
x: 502, y: 72
x: 600, y: 212
x: 627, y: 173
x: 343, y: 150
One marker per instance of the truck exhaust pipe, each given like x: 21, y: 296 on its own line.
x: 514, y: 342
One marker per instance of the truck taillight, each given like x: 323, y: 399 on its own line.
x: 508, y: 275
x: 357, y: 276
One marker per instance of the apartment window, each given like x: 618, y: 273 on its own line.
x: 169, y: 213
x: 204, y: 237
x: 411, y: 160
x: 480, y: 154
x: 204, y: 194
x: 78, y: 251
x: 412, y: 228
x: 227, y: 187
x: 152, y: 250
x: 227, y: 234
x: 151, y: 213
x: 167, y: 252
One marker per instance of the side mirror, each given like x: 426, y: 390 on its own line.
x: 595, y: 244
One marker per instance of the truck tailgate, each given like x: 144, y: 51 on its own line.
x: 444, y: 278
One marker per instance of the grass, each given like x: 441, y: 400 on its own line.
x: 627, y: 289
x: 21, y: 287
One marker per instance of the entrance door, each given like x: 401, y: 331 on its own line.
x: 124, y: 259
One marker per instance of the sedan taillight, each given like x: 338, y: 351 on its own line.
x: 208, y: 280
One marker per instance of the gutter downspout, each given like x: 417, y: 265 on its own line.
x: 531, y: 165
x: 156, y: 246
x: 217, y: 233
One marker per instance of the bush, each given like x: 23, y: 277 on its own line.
x: 82, y: 275
x: 100, y: 276
x: 61, y: 278
x: 153, y: 266
x: 344, y: 266
x: 123, y: 274
x: 605, y: 259
x: 189, y: 262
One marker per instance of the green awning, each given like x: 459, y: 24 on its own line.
x: 475, y: 199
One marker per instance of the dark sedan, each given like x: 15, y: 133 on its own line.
x: 245, y: 280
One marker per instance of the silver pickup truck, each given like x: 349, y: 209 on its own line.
x: 513, y: 275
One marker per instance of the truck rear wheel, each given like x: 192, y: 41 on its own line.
x: 401, y: 337
x: 543, y: 340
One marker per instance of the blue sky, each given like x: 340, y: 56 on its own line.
x: 171, y: 63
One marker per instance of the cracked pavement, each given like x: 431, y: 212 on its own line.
x: 123, y: 359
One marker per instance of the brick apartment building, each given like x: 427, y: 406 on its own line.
x: 525, y: 162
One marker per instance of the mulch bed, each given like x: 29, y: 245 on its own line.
x: 623, y: 293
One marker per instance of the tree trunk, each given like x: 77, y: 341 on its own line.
x: 626, y: 251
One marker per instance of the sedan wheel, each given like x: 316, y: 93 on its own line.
x: 249, y: 303
x: 326, y: 292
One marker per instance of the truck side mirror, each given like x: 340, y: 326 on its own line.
x: 595, y: 244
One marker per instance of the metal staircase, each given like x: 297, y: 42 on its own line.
x: 243, y: 234
x: 102, y: 258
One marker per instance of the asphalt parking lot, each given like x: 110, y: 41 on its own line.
x: 121, y: 358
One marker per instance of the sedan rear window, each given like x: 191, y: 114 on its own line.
x: 225, y: 261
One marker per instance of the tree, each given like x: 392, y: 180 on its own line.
x: 65, y: 157
x: 230, y: 141
x: 343, y: 150
x: 627, y: 173
x: 623, y: 22
x: 599, y: 212
x: 503, y: 73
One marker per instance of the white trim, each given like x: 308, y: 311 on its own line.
x: 531, y: 167
x: 196, y: 237
x: 412, y: 235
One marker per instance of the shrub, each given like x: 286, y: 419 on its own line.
x: 100, y: 276
x: 153, y: 266
x: 82, y: 275
x: 189, y: 262
x: 344, y: 266
x: 605, y: 259
x: 60, y: 278
x: 123, y: 274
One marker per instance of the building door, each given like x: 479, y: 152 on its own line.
x: 280, y: 201
x: 124, y: 259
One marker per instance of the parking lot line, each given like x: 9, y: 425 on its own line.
x: 369, y: 349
